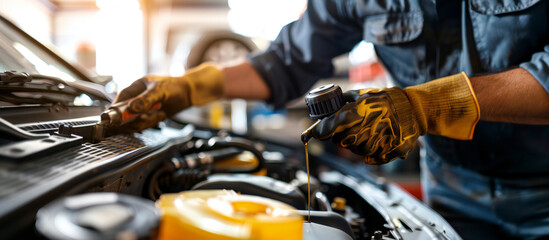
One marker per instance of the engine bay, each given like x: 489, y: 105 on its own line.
x: 346, y: 200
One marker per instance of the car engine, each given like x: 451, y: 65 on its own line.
x: 177, y: 157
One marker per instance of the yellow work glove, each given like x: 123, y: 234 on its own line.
x: 199, y: 86
x: 384, y: 124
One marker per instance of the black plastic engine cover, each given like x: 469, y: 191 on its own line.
x: 258, y: 186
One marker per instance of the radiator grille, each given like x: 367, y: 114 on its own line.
x: 17, y: 176
x: 54, y: 125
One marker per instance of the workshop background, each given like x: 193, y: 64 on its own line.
x: 127, y: 39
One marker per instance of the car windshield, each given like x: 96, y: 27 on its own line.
x: 17, y: 53
x: 53, y: 79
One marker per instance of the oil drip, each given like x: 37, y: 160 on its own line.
x: 305, y: 136
x: 308, y: 181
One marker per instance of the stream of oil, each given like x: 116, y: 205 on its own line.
x: 305, y: 136
x: 308, y: 181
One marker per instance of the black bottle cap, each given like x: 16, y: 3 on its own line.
x: 324, y: 101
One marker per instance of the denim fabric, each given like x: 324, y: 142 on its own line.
x: 421, y: 40
x: 481, y: 207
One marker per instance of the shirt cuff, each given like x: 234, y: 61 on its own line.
x: 538, y: 66
x: 283, y: 87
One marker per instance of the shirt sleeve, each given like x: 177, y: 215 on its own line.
x: 538, y: 66
x: 303, y: 51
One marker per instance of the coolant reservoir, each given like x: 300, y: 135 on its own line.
x: 224, y: 215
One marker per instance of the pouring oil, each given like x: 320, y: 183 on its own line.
x: 308, y: 181
x: 322, y: 102
x: 305, y: 136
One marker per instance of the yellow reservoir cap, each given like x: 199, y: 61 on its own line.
x: 226, y: 215
x: 244, y: 161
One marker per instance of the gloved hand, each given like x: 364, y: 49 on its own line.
x: 199, y: 86
x: 384, y: 124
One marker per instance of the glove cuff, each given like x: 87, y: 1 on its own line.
x: 446, y: 106
x: 206, y: 84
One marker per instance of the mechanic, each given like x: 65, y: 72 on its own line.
x: 490, y: 62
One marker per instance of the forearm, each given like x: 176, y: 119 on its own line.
x: 243, y: 81
x: 513, y: 96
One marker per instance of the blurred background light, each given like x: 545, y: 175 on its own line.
x: 362, y: 53
x: 263, y: 18
x: 119, y: 40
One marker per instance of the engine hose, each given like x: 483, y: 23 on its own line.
x: 158, y: 180
x: 240, y: 143
x: 216, y: 148
x: 185, y: 179
x: 168, y: 179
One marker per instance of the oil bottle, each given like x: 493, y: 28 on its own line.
x: 322, y: 102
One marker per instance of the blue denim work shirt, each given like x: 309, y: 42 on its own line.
x: 418, y: 41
